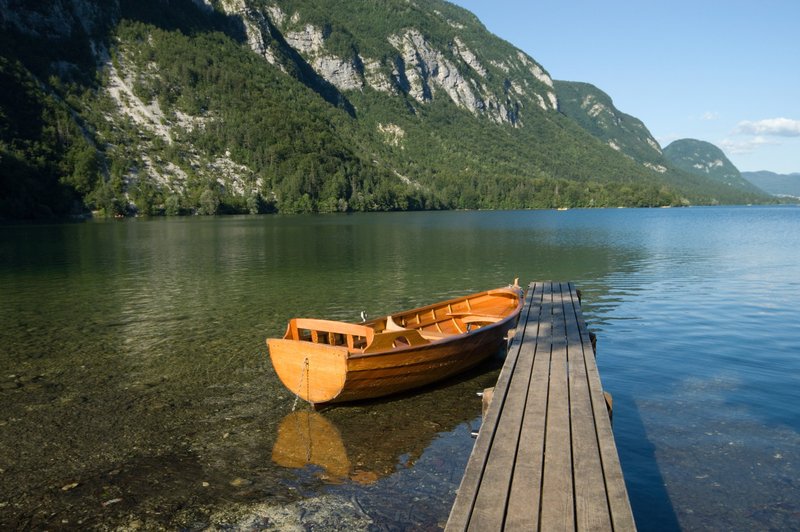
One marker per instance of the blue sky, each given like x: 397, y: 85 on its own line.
x: 723, y: 71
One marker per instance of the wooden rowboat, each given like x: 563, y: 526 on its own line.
x: 325, y: 361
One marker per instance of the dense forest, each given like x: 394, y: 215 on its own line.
x: 158, y: 107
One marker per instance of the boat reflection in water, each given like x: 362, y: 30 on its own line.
x: 363, y: 443
x: 307, y: 438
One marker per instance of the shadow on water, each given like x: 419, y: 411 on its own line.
x: 651, y: 503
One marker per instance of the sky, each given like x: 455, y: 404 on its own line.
x: 723, y: 71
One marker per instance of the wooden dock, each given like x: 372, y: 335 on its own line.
x: 545, y: 457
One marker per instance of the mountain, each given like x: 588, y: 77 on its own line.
x: 594, y: 111
x: 775, y: 184
x: 704, y: 159
x: 211, y: 106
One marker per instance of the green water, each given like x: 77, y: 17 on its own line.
x: 134, y: 361
x: 137, y: 391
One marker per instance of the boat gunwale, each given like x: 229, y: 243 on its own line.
x: 357, y: 353
x: 510, y: 290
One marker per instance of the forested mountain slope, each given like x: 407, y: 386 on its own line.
x: 182, y: 106
x: 704, y: 159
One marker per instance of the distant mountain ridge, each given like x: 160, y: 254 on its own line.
x: 210, y: 106
x: 775, y: 184
x: 703, y: 158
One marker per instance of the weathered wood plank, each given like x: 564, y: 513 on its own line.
x: 558, y: 506
x: 616, y: 492
x: 471, y: 482
x: 591, y: 504
x: 525, y: 496
x: 490, y: 503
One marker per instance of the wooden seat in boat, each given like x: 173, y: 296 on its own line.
x: 471, y: 317
x: 433, y: 335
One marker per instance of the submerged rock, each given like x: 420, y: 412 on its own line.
x: 326, y: 512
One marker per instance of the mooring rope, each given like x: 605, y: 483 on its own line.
x: 304, y: 371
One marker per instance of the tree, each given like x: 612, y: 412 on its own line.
x: 209, y: 202
x: 84, y: 169
x: 172, y: 205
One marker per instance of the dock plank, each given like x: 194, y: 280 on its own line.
x: 545, y: 456
x: 525, y: 496
x: 617, y: 494
x: 591, y: 504
x: 460, y: 516
x: 557, y: 512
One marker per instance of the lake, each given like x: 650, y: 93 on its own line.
x: 137, y: 390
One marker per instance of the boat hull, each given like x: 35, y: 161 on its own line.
x: 393, y: 354
x: 375, y: 376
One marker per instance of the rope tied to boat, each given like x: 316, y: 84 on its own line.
x: 304, y: 371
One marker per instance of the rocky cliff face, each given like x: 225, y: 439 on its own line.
x: 495, y: 89
x: 260, y: 32
x: 419, y: 69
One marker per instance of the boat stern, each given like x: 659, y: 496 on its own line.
x: 314, y: 372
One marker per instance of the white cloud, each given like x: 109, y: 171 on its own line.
x: 738, y: 147
x: 707, y: 116
x: 779, y: 127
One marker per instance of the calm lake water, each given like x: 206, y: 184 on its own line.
x: 136, y: 387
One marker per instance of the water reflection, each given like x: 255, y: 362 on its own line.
x: 307, y: 438
x: 364, y: 442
